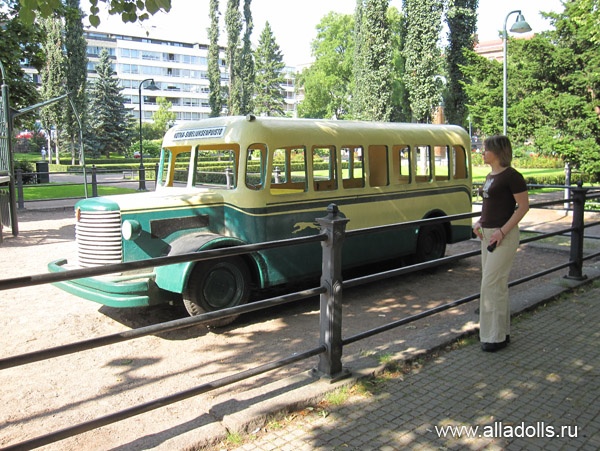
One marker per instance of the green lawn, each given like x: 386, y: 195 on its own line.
x: 479, y: 172
x: 50, y: 191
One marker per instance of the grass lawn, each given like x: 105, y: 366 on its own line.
x: 50, y: 191
x: 479, y: 172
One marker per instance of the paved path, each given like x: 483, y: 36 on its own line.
x: 541, y: 393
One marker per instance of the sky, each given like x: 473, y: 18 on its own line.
x: 294, y: 21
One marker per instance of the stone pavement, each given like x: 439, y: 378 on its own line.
x: 540, y: 393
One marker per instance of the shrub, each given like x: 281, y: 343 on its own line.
x: 29, y: 176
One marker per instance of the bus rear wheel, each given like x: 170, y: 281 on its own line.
x: 215, y: 285
x: 431, y: 243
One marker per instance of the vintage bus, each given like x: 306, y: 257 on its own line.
x: 230, y: 181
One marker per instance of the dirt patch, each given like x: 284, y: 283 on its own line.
x: 45, y: 396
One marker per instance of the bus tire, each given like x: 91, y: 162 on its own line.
x: 431, y: 243
x: 217, y: 284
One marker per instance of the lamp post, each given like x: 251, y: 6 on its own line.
x: 520, y: 26
x: 142, y: 171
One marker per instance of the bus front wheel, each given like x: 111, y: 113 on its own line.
x: 431, y: 243
x: 216, y: 285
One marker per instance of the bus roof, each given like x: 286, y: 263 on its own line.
x: 250, y: 129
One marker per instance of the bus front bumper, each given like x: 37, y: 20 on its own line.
x: 114, y: 291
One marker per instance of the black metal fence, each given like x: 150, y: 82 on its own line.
x: 329, y: 349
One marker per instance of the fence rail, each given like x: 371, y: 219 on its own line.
x: 331, y: 343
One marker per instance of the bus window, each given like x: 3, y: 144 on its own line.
x: 216, y: 166
x: 289, y: 170
x: 256, y: 166
x: 378, y: 166
x: 324, y: 168
x: 353, y: 175
x: 459, y: 163
x: 442, y: 163
x: 179, y: 164
x: 401, y: 164
x: 423, y: 156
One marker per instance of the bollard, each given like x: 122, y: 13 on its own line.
x: 330, y: 362
x: 20, y: 197
x: 576, y: 250
x: 94, y: 182
x: 277, y: 175
x: 229, y: 177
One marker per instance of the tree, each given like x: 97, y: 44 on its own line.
x: 423, y: 59
x: 163, y: 118
x: 372, y: 90
x: 327, y: 81
x: 233, y: 24
x: 75, y: 71
x: 400, y: 102
x: 483, y: 92
x: 245, y: 61
x: 269, y: 98
x: 53, y: 78
x: 109, y: 121
x: 130, y: 10
x: 461, y: 18
x: 215, y: 97
x: 20, y: 42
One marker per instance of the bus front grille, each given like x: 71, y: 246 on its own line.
x: 98, y: 235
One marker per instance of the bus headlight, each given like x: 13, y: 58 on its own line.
x: 131, y: 229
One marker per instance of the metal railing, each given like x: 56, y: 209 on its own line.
x: 89, y: 181
x: 331, y: 343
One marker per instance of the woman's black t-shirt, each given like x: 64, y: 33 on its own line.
x: 498, y: 197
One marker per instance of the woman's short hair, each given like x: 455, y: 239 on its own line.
x: 500, y: 145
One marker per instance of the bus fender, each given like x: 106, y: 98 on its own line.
x: 174, y: 278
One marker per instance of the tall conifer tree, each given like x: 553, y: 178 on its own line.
x: 233, y: 24
x: 461, y: 18
x: 246, y: 63
x: 269, y: 97
x: 76, y: 72
x: 53, y: 79
x: 215, y: 97
x: 422, y: 55
x: 372, y: 92
x: 110, y: 123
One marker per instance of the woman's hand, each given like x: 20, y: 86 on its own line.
x: 477, y: 230
x: 496, y: 237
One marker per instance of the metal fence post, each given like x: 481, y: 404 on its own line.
x: 20, y: 196
x: 330, y: 363
x: 94, y: 182
x: 576, y: 252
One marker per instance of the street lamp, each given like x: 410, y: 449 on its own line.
x: 142, y: 174
x: 520, y: 26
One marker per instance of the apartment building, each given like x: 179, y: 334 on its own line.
x: 179, y: 70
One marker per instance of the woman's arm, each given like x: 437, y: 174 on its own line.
x: 522, y: 200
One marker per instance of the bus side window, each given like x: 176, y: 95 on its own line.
x: 216, y: 165
x: 442, y: 163
x: 353, y: 174
x: 459, y: 163
x: 255, y: 166
x: 378, y: 166
x: 401, y: 157
x: 289, y: 170
x: 324, y: 168
x: 423, y: 163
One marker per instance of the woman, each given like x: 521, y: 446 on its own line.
x: 498, y: 229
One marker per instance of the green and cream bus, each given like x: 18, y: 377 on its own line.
x: 230, y: 181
